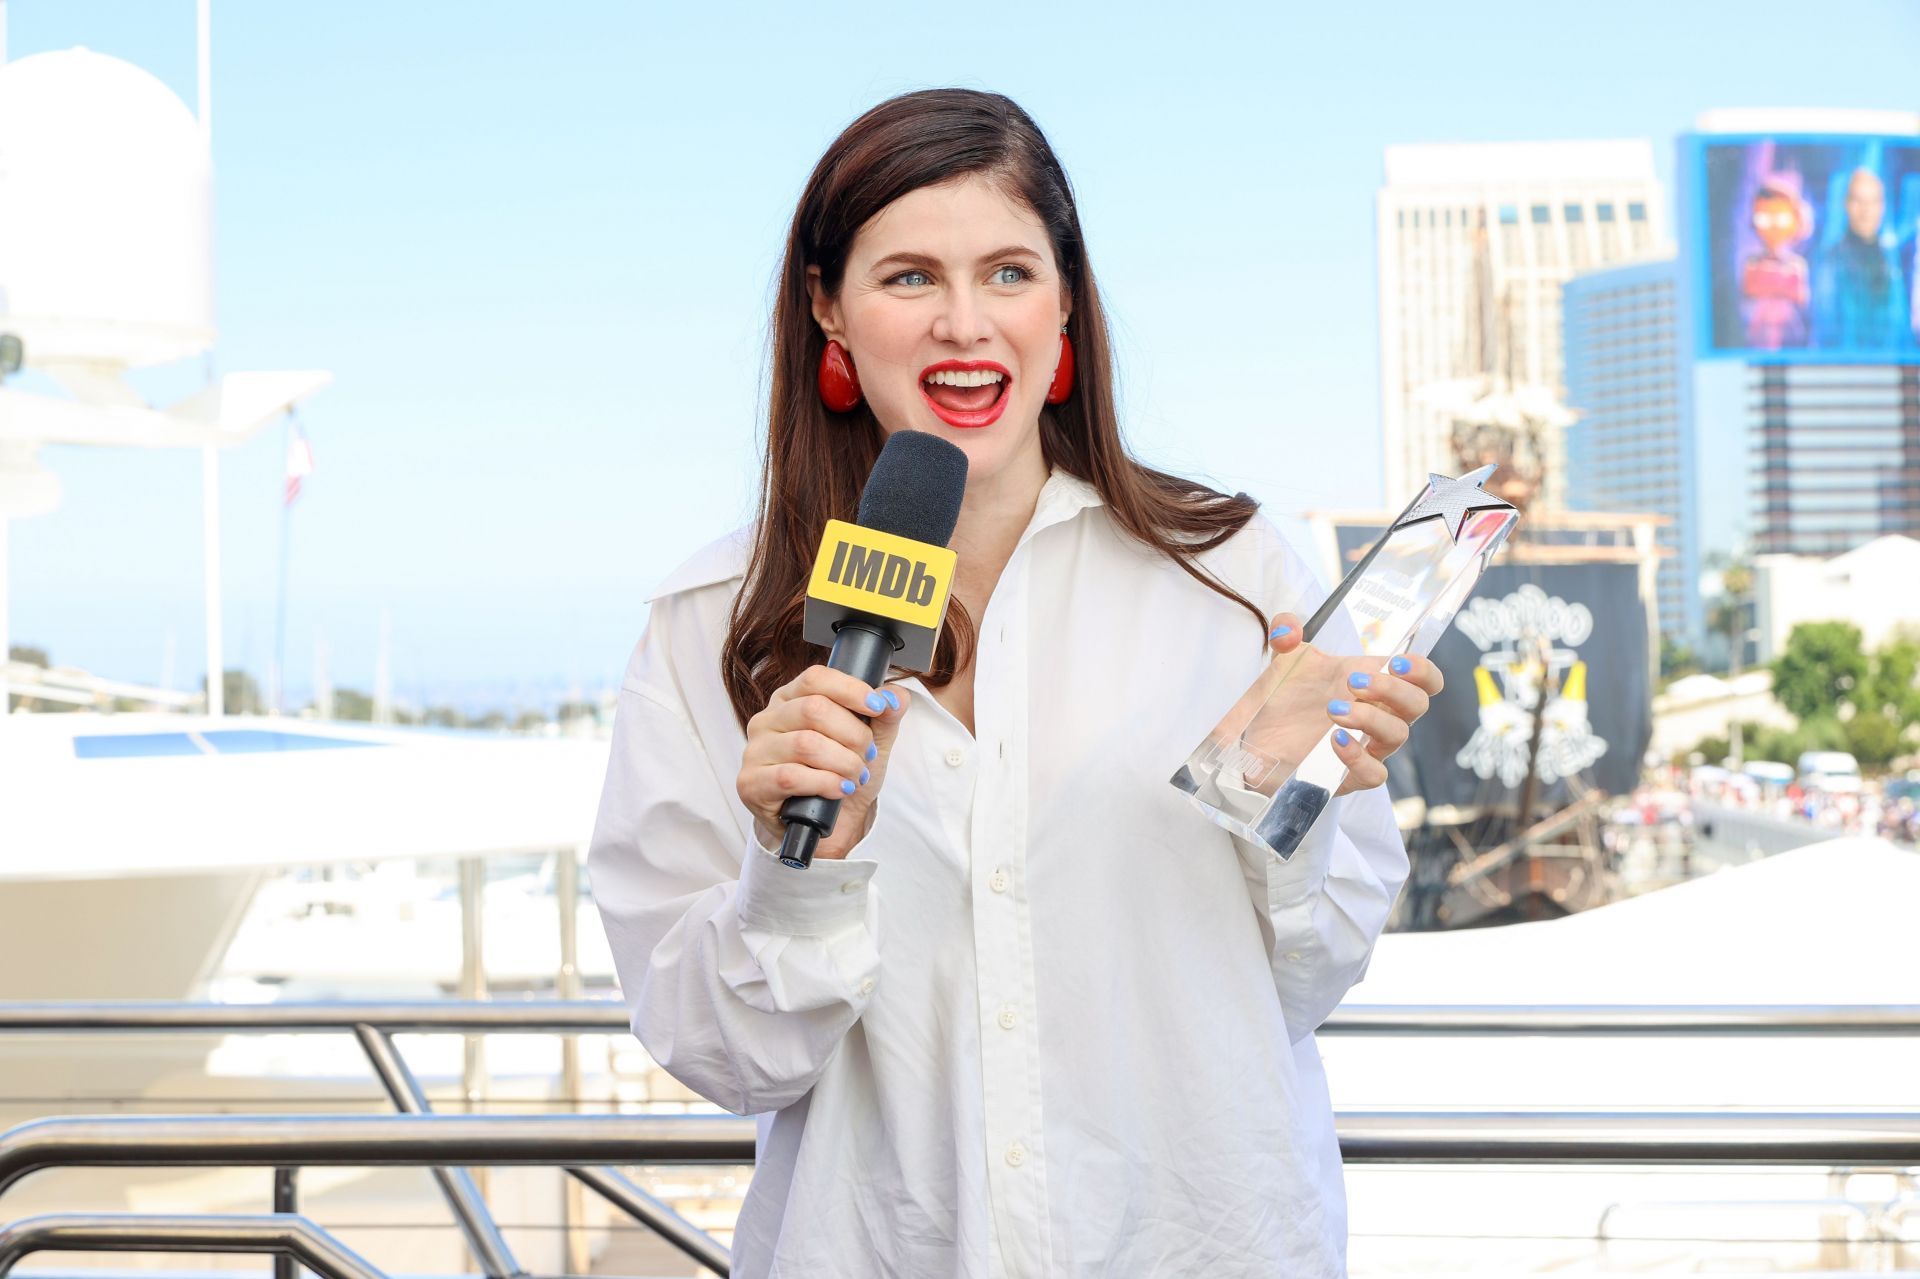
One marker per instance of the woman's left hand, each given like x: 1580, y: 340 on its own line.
x: 1375, y: 709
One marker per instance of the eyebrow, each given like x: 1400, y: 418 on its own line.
x: 922, y: 260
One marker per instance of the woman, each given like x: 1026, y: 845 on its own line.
x: 1030, y: 1014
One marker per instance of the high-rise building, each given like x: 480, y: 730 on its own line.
x: 1762, y: 388
x: 1632, y: 448
x: 1476, y: 241
x: 1835, y: 455
x: 1803, y: 338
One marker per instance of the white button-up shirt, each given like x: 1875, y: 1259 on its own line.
x: 1045, y: 1019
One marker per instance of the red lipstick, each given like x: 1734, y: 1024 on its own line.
x: 968, y: 419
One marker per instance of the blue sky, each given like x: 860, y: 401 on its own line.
x: 535, y: 244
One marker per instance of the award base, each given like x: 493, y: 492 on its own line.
x: 1268, y: 770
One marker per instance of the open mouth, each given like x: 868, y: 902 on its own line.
x: 966, y: 393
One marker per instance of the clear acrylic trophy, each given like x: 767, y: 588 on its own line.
x: 1268, y: 768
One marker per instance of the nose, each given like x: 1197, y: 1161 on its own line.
x: 961, y: 321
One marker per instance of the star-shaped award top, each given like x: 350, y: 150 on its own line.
x: 1453, y: 500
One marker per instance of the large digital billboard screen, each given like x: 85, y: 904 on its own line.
x: 1805, y: 246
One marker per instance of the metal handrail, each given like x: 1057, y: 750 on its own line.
x: 284, y: 1234
x: 456, y: 1184
x: 446, y: 1016
x: 1363, y: 1137
x: 600, y: 1015
x: 373, y: 1026
x: 1624, y: 1019
x: 369, y: 1141
x: 1877, y: 1139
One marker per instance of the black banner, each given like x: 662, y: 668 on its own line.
x: 1585, y: 627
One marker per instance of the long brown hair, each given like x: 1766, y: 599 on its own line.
x: 816, y: 464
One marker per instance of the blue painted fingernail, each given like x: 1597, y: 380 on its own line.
x: 1279, y: 631
x: 1339, y: 707
x: 864, y: 774
x: 875, y: 702
x: 1400, y: 666
x: 846, y: 787
x: 1359, y: 679
x: 872, y: 750
x: 1342, y: 736
x: 893, y: 698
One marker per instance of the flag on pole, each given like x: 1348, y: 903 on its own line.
x: 299, y: 462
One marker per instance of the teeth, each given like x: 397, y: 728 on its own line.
x: 968, y: 377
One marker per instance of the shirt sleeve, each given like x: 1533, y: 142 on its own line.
x: 1323, y: 909
x: 742, y: 974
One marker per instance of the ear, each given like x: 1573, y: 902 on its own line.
x: 1066, y: 308
x: 826, y: 310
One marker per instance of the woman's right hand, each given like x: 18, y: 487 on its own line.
x: 810, y: 740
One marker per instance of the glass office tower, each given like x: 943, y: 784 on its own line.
x: 1632, y: 448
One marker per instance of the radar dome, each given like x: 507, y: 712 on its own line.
x: 106, y: 214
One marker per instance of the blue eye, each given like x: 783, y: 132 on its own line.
x: 912, y: 279
x: 1019, y: 274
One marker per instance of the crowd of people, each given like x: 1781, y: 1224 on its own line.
x: 1888, y: 808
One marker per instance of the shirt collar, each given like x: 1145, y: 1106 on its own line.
x: 1062, y: 497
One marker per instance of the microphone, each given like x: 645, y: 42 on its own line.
x: 879, y: 589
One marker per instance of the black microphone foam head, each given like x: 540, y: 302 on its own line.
x: 915, y: 488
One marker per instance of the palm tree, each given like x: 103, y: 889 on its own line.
x: 1729, y: 615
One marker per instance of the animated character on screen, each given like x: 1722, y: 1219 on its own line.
x: 1859, y: 299
x: 1773, y: 282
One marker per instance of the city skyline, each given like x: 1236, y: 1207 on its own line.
x: 1476, y: 241
x: 534, y: 419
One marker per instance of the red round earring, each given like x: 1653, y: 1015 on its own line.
x: 839, y: 384
x: 1062, y: 385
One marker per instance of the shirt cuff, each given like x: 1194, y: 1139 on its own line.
x: 1292, y: 881
x: 1301, y: 875
x: 827, y: 897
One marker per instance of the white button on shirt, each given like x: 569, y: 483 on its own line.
x: 1132, y: 1030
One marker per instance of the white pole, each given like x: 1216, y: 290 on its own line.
x: 6, y: 638
x: 210, y: 540
x: 210, y: 455
x: 278, y: 669
x: 166, y: 665
x: 383, y: 672
x: 322, y: 678
x: 204, y: 51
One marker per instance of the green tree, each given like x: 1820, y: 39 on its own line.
x: 1893, y: 687
x: 1676, y: 659
x: 1873, y: 738
x: 240, y: 693
x: 351, y: 703
x: 32, y: 657
x: 1729, y: 614
x: 1823, y: 732
x: 1821, y: 667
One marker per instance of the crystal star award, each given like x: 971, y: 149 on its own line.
x: 1268, y: 768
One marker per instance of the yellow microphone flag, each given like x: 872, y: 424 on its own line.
x: 862, y: 571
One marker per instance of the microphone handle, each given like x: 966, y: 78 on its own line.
x: 863, y: 649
